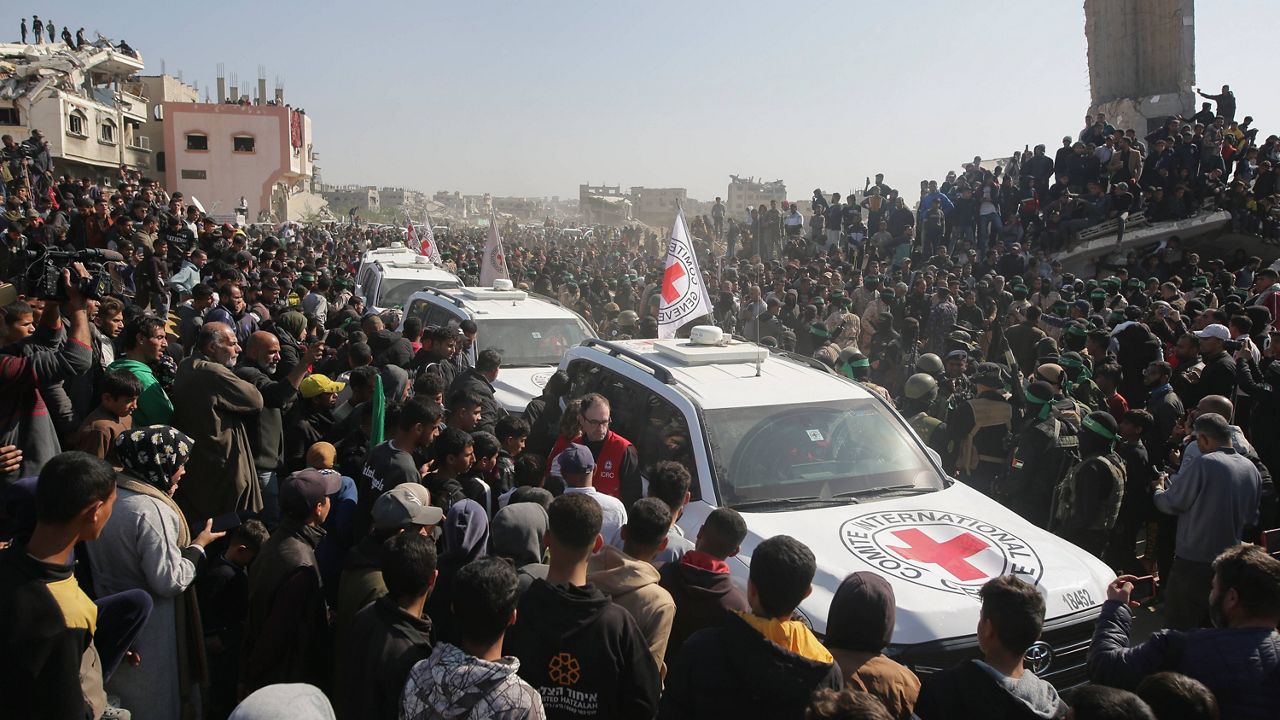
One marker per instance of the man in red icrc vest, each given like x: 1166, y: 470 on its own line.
x: 617, y: 464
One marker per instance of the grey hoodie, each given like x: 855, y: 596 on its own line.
x: 1038, y: 695
x: 452, y: 684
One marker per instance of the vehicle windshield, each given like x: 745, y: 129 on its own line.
x: 397, y: 291
x: 529, y: 341
x: 818, y: 450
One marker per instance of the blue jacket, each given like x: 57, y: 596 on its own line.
x: 1241, y: 666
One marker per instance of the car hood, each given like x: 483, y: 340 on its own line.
x: 516, y: 386
x: 936, y: 550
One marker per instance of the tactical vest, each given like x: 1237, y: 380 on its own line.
x: 1064, y: 502
x: 986, y: 413
x: 924, y: 424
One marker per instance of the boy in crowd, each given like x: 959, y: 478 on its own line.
x: 391, y: 635
x: 464, y: 411
x: 223, y: 590
x: 585, y: 655
x: 629, y: 578
x: 454, y: 454
x: 49, y: 666
x: 474, y: 679
x: 98, y: 432
x: 512, y: 432
x: 760, y: 664
x: 478, y: 482
x: 997, y: 686
x: 391, y: 463
x: 530, y: 471
x: 699, y: 582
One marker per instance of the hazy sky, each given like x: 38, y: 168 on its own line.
x: 535, y: 97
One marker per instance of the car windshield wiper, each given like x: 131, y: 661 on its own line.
x: 886, y: 489
x: 792, y: 503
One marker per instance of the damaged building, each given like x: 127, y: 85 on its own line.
x: 77, y: 98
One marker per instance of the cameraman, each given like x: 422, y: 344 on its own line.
x: 24, y: 419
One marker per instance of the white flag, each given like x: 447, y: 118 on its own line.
x: 429, y: 246
x: 494, y: 263
x: 684, y: 295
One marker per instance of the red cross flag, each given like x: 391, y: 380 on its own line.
x: 494, y: 263
x: 429, y: 246
x: 684, y: 296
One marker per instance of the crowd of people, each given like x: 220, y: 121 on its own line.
x: 230, y: 491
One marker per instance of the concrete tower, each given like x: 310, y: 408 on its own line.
x: 1142, y: 64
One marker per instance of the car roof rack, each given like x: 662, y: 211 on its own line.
x: 439, y: 293
x: 660, y: 373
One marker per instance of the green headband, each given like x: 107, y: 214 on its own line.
x: 1074, y: 329
x: 864, y: 362
x: 1098, y: 428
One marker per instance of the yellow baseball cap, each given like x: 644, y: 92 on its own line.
x: 313, y: 385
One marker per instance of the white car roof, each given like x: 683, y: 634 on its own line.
x: 733, y: 382
x: 487, y: 303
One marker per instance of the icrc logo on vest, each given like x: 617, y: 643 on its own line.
x: 939, y: 550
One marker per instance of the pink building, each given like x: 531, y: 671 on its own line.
x: 222, y: 152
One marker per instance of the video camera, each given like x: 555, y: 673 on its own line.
x: 41, y: 277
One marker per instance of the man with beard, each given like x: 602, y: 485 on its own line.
x: 214, y: 408
x: 1237, y: 660
x: 232, y: 311
x: 1214, y: 496
x: 258, y: 366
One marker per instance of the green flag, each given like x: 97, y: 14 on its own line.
x: 378, y: 421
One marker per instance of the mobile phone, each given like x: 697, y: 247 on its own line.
x: 1271, y: 542
x: 1144, y: 588
x: 223, y: 523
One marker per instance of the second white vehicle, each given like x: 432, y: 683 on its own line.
x: 530, y: 331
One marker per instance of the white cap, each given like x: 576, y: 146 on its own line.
x: 1215, y: 331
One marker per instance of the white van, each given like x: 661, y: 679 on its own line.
x: 389, y: 275
x: 804, y: 452
x: 531, y: 332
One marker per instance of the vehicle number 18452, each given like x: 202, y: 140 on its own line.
x: 1078, y: 599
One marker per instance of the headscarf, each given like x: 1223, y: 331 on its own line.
x: 153, y: 454
x: 294, y: 322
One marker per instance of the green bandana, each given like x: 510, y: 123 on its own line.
x: 1098, y: 428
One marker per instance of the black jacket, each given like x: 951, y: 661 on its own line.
x: 287, y: 636
x: 581, y: 651
x: 473, y: 381
x: 733, y: 671
x: 266, y: 429
x: 384, y: 644
x: 967, y: 691
x: 1241, y: 666
x: 1217, y: 378
x: 703, y: 599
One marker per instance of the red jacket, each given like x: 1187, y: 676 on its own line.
x: 607, y: 477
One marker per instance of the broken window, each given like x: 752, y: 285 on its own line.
x: 107, y: 132
x: 196, y: 141
x: 9, y: 116
x: 76, y: 122
x: 195, y: 175
x: 243, y: 143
